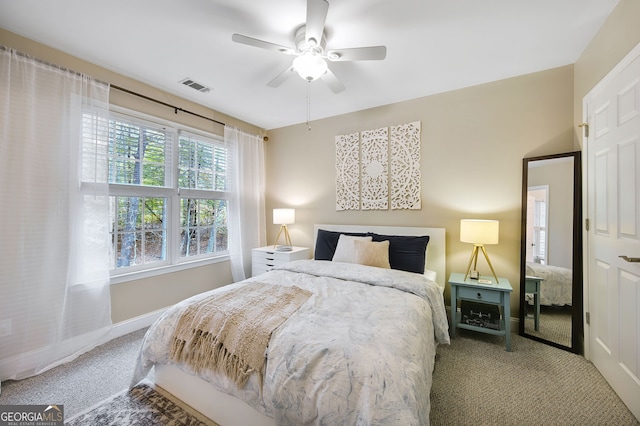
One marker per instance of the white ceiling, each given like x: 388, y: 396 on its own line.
x: 433, y: 46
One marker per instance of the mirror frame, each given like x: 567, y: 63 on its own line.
x: 577, y: 328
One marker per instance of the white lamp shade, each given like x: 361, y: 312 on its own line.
x: 284, y: 216
x: 477, y: 231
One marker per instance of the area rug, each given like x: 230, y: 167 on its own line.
x: 142, y: 405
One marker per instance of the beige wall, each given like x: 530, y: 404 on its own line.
x: 138, y: 297
x: 473, y: 143
x: 142, y: 296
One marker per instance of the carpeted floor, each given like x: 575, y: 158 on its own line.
x: 555, y: 325
x: 84, y: 382
x: 475, y: 382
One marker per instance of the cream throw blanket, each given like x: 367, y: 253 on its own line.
x: 229, y: 333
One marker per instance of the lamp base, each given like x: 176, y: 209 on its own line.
x: 473, y: 261
x: 287, y: 240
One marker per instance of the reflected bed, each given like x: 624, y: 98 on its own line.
x: 556, y: 285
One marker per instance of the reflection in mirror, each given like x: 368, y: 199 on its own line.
x: 550, y: 249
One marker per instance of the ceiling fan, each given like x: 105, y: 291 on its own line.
x: 310, y: 50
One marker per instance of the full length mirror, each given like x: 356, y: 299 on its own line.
x: 551, y: 252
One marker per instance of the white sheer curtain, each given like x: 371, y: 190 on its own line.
x: 54, y: 240
x: 247, y: 228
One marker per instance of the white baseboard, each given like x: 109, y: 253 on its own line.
x: 134, y: 324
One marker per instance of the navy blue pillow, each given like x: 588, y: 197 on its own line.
x: 327, y: 241
x: 406, y: 252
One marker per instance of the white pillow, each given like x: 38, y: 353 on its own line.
x: 345, y: 250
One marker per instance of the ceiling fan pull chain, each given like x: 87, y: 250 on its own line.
x: 309, y: 105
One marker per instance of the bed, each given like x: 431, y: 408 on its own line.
x: 555, y: 286
x: 359, y: 350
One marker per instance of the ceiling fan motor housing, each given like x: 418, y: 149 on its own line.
x: 303, y: 46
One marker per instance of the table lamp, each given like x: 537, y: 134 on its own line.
x: 479, y: 232
x: 283, y: 217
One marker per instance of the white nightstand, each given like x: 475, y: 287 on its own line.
x: 264, y: 259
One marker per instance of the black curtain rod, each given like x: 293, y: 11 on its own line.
x: 175, y: 108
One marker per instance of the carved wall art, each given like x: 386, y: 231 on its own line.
x: 405, y: 167
x: 379, y: 168
x: 374, y: 169
x: 348, y: 172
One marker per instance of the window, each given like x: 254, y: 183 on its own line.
x: 540, y: 232
x: 138, y: 231
x: 169, y: 192
x: 203, y: 184
x: 203, y: 226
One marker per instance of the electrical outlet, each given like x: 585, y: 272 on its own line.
x: 6, y: 327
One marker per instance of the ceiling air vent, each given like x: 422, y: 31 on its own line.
x: 195, y: 85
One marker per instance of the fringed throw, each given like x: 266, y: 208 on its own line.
x: 229, y: 333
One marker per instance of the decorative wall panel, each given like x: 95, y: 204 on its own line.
x: 347, y: 172
x: 374, y: 168
x: 405, y: 167
x: 378, y: 168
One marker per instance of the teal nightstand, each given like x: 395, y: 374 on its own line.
x: 532, y: 286
x: 497, y: 294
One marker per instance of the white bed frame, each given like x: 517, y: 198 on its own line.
x: 227, y: 410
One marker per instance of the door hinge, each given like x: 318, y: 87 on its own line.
x: 588, y: 318
x: 586, y: 223
x: 586, y: 129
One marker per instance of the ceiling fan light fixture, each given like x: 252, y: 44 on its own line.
x: 310, y: 66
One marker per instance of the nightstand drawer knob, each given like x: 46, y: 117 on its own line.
x: 479, y: 295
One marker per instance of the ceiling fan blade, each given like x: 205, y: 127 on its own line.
x: 316, y: 17
x: 372, y: 53
x: 239, y: 38
x: 332, y: 81
x: 282, y: 77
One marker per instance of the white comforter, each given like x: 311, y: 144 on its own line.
x: 557, y: 284
x: 361, y: 350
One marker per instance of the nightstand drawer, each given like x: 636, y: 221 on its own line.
x: 257, y: 269
x: 264, y: 263
x: 479, y: 294
x: 264, y: 259
x: 272, y: 256
x: 261, y: 264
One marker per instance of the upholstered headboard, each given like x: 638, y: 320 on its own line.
x: 436, y: 253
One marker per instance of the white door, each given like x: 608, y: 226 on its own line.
x: 613, y: 209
